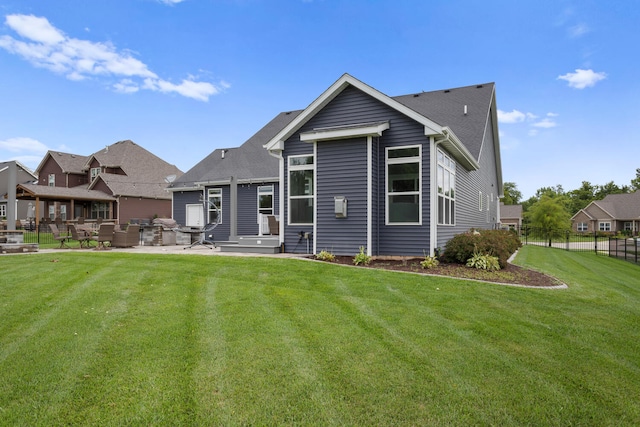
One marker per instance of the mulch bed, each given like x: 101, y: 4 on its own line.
x: 512, y: 274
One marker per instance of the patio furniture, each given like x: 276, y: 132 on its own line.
x: 81, y: 236
x: 274, y: 225
x: 59, y: 237
x: 126, y: 238
x: 105, y: 235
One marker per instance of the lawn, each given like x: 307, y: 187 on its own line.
x: 105, y: 338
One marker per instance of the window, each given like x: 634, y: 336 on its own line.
x: 628, y: 226
x: 604, y: 226
x: 265, y: 199
x: 52, y: 212
x: 447, y: 189
x: 301, y: 189
x: 582, y: 226
x: 99, y: 210
x: 3, y: 210
x: 404, y: 185
x: 94, y: 172
x: 215, y: 205
x: 63, y: 212
x: 480, y: 201
x: 52, y: 180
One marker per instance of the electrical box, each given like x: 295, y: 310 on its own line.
x: 340, y: 206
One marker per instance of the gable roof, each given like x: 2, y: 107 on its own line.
x: 69, y: 163
x: 144, y: 172
x: 80, y: 192
x: 616, y: 206
x: 439, y: 112
x: 248, y: 163
x: 510, y: 211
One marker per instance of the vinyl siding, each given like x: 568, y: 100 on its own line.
x: 341, y: 171
x: 248, y: 207
x: 180, y: 201
x: 469, y: 185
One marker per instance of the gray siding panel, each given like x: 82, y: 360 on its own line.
x: 248, y: 207
x: 342, y: 171
x: 180, y: 200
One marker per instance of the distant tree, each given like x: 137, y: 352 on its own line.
x: 549, y: 218
x: 580, y: 198
x: 511, y: 194
x: 635, y: 183
x: 552, y: 192
x: 610, y: 188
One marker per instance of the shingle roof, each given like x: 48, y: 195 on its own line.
x: 80, y: 192
x: 447, y: 108
x: 510, y: 211
x: 621, y: 206
x: 248, y: 162
x: 69, y: 163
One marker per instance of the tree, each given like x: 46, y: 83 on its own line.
x: 635, y: 183
x: 549, y: 217
x: 511, y: 194
x: 580, y: 198
x: 610, y: 188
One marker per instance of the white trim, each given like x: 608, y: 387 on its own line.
x: 369, y: 193
x: 433, y: 180
x: 315, y: 196
x: 402, y: 160
x: 312, y: 196
x: 343, y: 132
x: 277, y: 142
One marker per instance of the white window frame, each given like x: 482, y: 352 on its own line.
x: 51, y: 180
x: 3, y: 210
x: 214, y: 193
x: 399, y: 161
x: 311, y: 195
x: 628, y: 226
x: 582, y: 227
x: 63, y: 212
x: 94, y: 173
x: 265, y: 190
x: 52, y: 212
x: 604, y: 226
x: 447, y: 165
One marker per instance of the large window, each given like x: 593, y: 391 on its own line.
x: 582, y: 226
x: 605, y: 226
x: 265, y: 199
x: 447, y: 190
x: 403, y: 185
x: 215, y: 205
x: 99, y: 210
x: 301, y: 189
x: 52, y: 180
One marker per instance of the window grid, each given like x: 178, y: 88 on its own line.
x: 404, y: 185
x: 446, y: 189
x: 301, y: 189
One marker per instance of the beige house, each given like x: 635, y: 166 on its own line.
x: 615, y: 213
x: 511, y: 216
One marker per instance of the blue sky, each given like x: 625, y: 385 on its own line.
x: 182, y: 78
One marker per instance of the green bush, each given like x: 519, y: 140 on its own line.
x: 499, y: 243
x: 429, y: 262
x: 483, y: 262
x: 326, y: 256
x: 362, y: 258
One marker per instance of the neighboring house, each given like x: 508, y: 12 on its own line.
x: 394, y: 175
x: 615, y: 213
x: 241, y: 182
x: 22, y: 208
x: 122, y: 182
x: 511, y: 216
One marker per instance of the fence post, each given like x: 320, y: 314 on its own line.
x: 595, y: 242
x: 567, y: 239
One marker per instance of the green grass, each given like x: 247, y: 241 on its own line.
x: 110, y: 338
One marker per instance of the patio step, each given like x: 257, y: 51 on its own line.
x: 252, y: 244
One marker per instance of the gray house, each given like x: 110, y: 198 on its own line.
x: 11, y: 174
x: 395, y: 175
x: 242, y: 182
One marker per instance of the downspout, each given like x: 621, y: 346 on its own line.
x: 233, y: 209
x: 369, y: 193
x: 433, y: 198
x: 278, y: 155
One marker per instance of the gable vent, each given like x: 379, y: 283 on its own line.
x: 478, y: 87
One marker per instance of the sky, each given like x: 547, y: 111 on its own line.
x: 183, y: 77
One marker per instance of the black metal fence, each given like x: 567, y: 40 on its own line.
x: 624, y: 248
x: 566, y: 240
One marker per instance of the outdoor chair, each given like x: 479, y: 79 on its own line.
x: 126, y: 238
x: 274, y: 225
x: 60, y: 238
x: 81, y: 236
x: 105, y: 235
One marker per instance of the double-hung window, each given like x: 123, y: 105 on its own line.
x: 605, y: 226
x: 94, y: 172
x: 447, y: 189
x: 52, y: 180
x: 582, y: 226
x: 215, y: 205
x: 301, y: 189
x: 265, y: 199
x: 404, y: 196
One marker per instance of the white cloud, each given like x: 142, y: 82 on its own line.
x: 171, y: 2
x: 545, y: 123
x: 578, y: 30
x: 514, y: 116
x: 583, y: 78
x: 47, y: 47
x: 21, y: 144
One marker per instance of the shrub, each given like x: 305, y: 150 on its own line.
x: 429, y: 262
x: 499, y: 243
x: 362, y: 258
x: 326, y: 256
x: 483, y: 262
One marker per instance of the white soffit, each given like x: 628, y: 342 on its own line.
x: 344, y: 132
